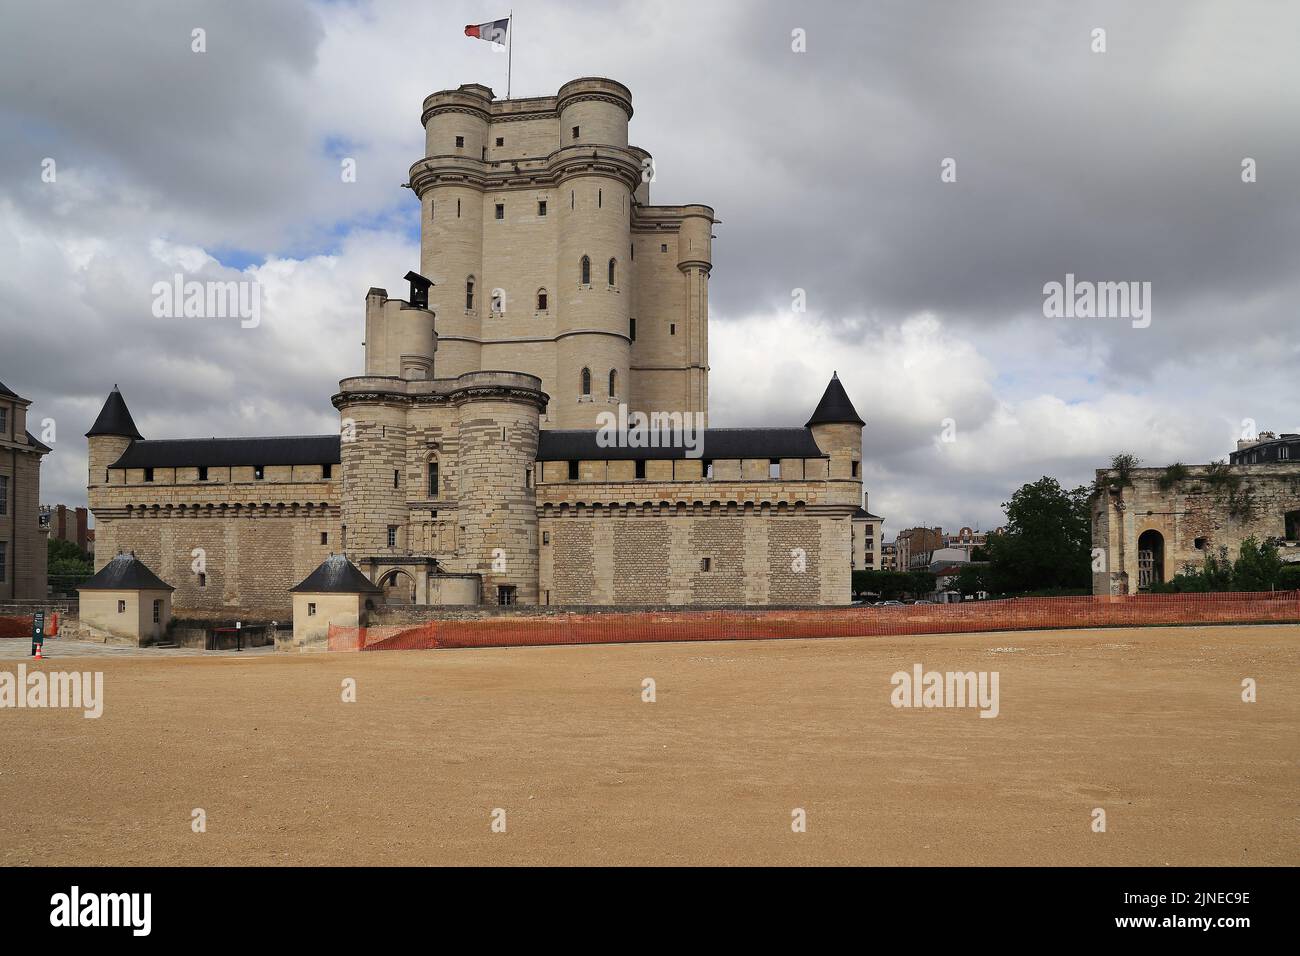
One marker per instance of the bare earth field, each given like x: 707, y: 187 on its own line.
x: 1147, y: 724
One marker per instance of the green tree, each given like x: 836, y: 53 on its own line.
x: 1257, y: 568
x: 1047, y: 543
x: 67, y: 565
x: 972, y: 578
x: 893, y: 585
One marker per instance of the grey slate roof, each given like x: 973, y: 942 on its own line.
x: 336, y: 575
x: 835, y: 407
x: 114, y: 418
x: 864, y: 513
x: 40, y: 446
x: 715, y: 443
x: 195, y: 452
x: 6, y: 391
x: 126, y: 572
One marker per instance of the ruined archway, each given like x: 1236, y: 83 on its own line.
x: 1151, y: 559
x: 398, y: 587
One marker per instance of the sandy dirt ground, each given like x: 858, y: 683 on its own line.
x: 1148, y: 725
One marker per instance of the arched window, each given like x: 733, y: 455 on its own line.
x: 611, y: 271
x: 586, y: 381
x: 613, y: 383
x: 586, y: 270
x: 541, y: 300
x: 431, y: 476
x: 469, y: 293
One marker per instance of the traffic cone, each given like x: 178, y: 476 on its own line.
x: 38, y: 652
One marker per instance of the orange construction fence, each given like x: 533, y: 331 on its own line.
x: 632, y: 626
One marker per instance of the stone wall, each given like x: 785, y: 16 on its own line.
x: 635, y: 556
x: 251, y: 556
x: 1194, y: 517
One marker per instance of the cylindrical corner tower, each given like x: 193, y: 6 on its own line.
x: 695, y: 260
x: 498, y: 417
x: 594, y: 267
x: 373, y: 453
x: 451, y: 209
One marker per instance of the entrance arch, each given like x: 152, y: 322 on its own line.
x: 1151, y: 559
x: 398, y: 587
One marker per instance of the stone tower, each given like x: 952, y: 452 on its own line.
x: 437, y: 471
x: 547, y: 257
x: 837, y: 429
x: 112, y: 433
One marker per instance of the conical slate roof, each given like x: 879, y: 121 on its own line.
x: 114, y: 418
x: 835, y: 407
x: 126, y: 572
x: 336, y: 575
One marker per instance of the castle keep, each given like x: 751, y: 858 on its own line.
x: 470, y: 465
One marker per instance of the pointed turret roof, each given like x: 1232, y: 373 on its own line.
x: 835, y: 407
x: 336, y: 575
x: 115, y: 418
x: 126, y: 572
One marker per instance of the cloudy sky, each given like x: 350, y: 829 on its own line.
x: 824, y: 167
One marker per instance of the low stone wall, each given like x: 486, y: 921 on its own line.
x: 427, y: 628
x: 216, y: 635
x: 414, y: 614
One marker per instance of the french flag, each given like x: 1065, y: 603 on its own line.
x: 494, y: 32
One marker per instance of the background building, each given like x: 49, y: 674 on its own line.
x: 22, y: 539
x: 67, y: 524
x: 1148, y: 525
x: 866, y: 540
x: 914, y: 546
x: 889, y: 557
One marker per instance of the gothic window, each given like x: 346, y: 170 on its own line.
x: 469, y: 293
x: 613, y: 383
x: 586, y: 270
x: 611, y: 271
x: 586, y: 381
x: 541, y: 300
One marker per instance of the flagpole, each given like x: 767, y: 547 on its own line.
x: 510, y: 48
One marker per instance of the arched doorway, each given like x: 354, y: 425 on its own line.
x: 399, y: 587
x: 1151, y: 559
